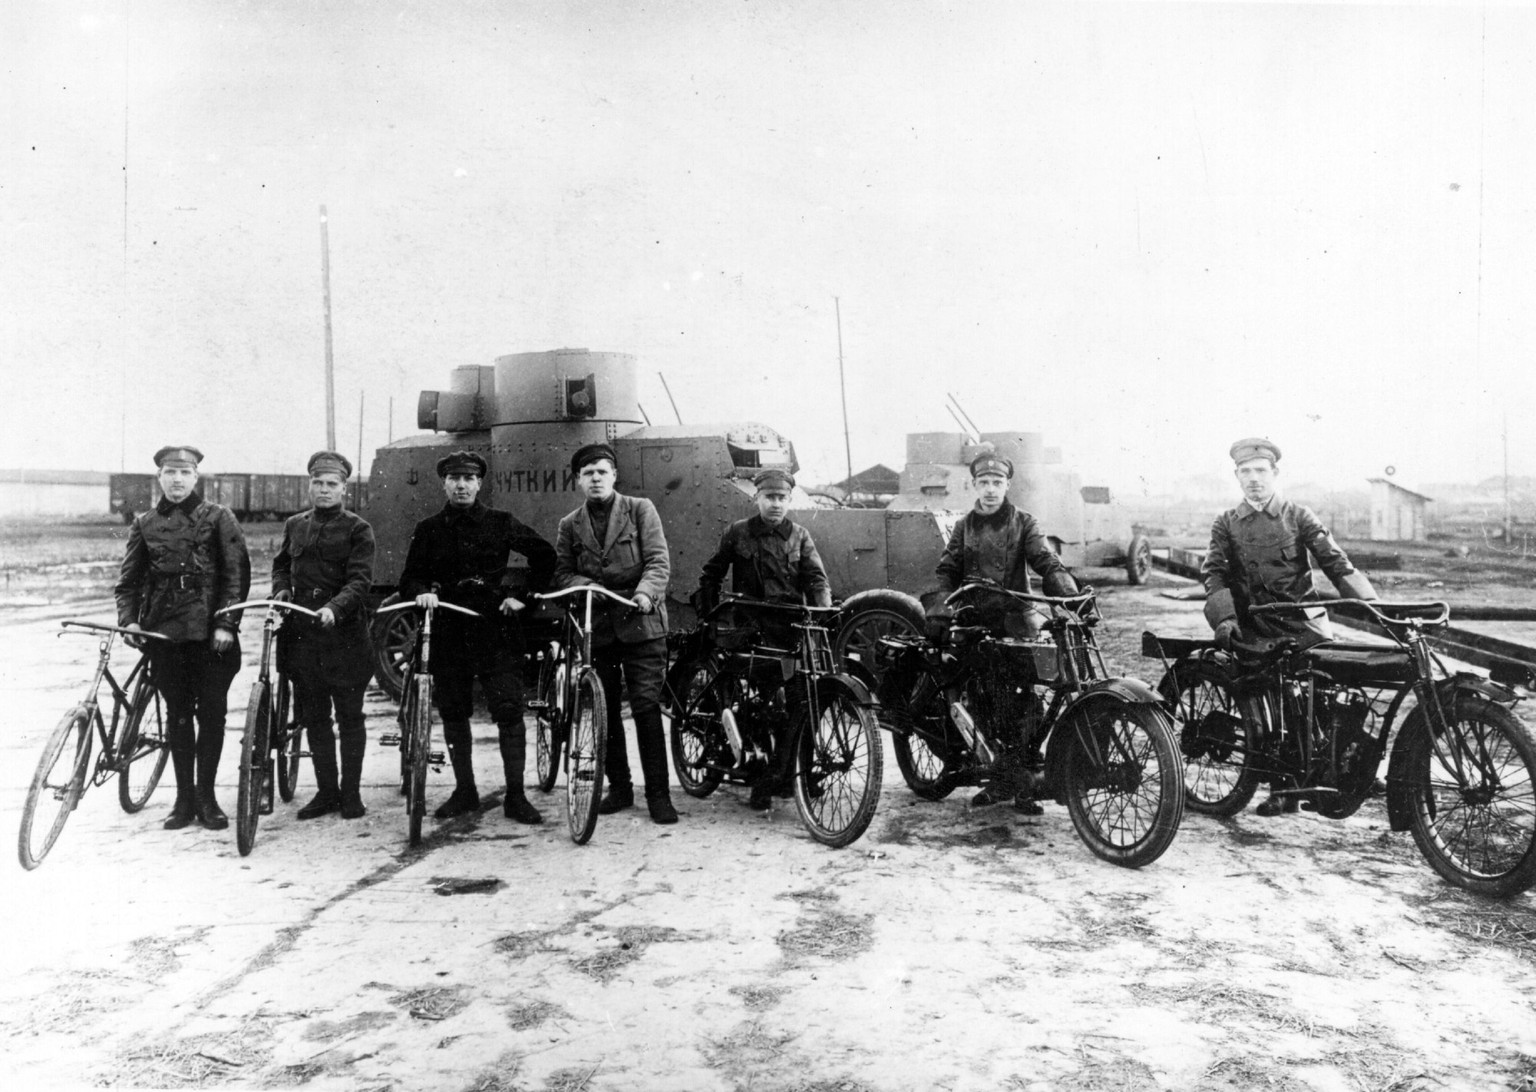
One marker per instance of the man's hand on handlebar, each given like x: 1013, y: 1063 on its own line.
x: 1227, y: 633
x: 223, y: 640
x: 134, y: 642
x: 427, y: 600
x: 643, y: 604
x: 327, y: 616
x: 511, y: 605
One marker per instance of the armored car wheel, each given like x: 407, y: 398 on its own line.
x: 838, y: 766
x: 869, y: 616
x: 394, y: 637
x: 57, y: 784
x: 1219, y: 778
x: 587, y: 740
x: 1138, y: 560
x: 698, y: 736
x: 140, y: 747
x: 1123, y: 781
x: 1472, y: 794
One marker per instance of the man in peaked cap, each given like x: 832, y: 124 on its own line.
x: 326, y: 565
x: 186, y: 560
x: 617, y: 541
x: 459, y: 556
x: 999, y: 542
x: 1262, y: 551
x: 770, y: 557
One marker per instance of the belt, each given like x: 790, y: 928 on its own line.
x: 183, y: 581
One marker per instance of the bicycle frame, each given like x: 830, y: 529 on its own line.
x: 108, y: 762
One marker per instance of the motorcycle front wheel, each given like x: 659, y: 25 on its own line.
x: 1124, y: 781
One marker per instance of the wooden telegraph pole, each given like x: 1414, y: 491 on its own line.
x: 330, y: 367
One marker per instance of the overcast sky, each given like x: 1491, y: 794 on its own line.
x: 1143, y: 229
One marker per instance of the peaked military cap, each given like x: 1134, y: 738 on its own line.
x: 180, y: 454
x: 772, y: 476
x: 590, y: 453
x: 1255, y: 447
x: 462, y: 462
x: 329, y: 462
x: 990, y: 462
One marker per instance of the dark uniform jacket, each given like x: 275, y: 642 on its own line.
x: 461, y: 555
x: 779, y: 564
x: 326, y: 560
x: 1264, y: 556
x: 631, y: 559
x: 1004, y: 547
x: 184, y: 562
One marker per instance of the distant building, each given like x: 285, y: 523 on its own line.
x: 1397, y: 514
x: 868, y: 488
x: 52, y: 493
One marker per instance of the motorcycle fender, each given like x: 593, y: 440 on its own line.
x: 1399, y: 801
x: 857, y: 672
x: 1063, y: 733
x: 860, y: 691
x: 1124, y: 688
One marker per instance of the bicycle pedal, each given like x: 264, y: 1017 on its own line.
x: 436, y: 758
x: 536, y: 705
x: 389, y: 739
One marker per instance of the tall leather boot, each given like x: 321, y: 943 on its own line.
x: 322, y: 755
x: 621, y: 785
x: 652, y: 742
x: 353, y: 747
x: 184, y: 811
x: 514, y: 752
x: 210, y: 744
x: 465, y: 798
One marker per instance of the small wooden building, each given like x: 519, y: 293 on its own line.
x: 1397, y: 514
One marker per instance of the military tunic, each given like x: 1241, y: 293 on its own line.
x: 778, y: 563
x: 326, y: 560
x: 1265, y: 555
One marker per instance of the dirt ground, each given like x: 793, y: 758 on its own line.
x: 950, y: 948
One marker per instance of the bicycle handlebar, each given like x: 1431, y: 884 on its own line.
x: 731, y: 599
x: 1066, y: 602
x: 114, y: 629
x: 410, y: 604
x: 594, y: 588
x: 1437, y: 611
x: 282, y: 603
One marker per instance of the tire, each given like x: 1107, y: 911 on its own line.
x: 394, y: 638
x: 57, y: 786
x: 838, y: 765
x: 140, y: 747
x: 1138, y: 559
x: 587, y: 738
x: 928, y: 774
x: 1477, y: 831
x: 1123, y: 781
x: 869, y: 616
x: 696, y: 731
x: 255, y: 747
x: 1217, y: 747
x: 547, y: 738
x: 290, y: 737
x: 418, y: 719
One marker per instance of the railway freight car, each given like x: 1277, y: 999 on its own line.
x: 248, y: 496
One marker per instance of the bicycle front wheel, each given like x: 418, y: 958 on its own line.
x: 287, y: 737
x: 418, y: 746
x: 140, y: 747
x: 57, y: 786
x: 699, y: 746
x: 1473, y: 796
x: 254, y: 745
x: 838, y: 767
x: 1124, y: 781
x: 586, y: 749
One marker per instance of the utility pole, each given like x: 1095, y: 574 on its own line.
x: 843, y: 389
x: 1509, y: 523
x: 330, y: 368
x: 362, y: 400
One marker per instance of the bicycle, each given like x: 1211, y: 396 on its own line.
x: 415, y: 716
x: 966, y: 709
x: 270, y: 748
x: 1314, y: 722
x: 571, y: 713
x: 137, y: 733
x: 732, y: 688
